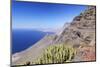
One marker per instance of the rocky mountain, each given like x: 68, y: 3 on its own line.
x: 80, y: 34
x: 81, y: 29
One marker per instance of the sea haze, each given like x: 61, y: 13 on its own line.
x: 22, y: 39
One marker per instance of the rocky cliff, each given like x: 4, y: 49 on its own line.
x: 81, y: 33
x: 81, y: 29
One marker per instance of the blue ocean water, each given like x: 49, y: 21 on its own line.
x: 22, y: 39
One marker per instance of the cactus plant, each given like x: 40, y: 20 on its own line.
x: 56, y: 54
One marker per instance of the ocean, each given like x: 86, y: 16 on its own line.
x: 22, y: 39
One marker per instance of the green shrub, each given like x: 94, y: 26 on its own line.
x: 57, y: 54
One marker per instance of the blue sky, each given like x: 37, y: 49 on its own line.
x: 30, y: 15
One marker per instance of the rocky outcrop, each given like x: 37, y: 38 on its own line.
x: 81, y: 34
x: 81, y: 30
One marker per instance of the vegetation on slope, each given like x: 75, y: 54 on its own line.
x: 57, y: 54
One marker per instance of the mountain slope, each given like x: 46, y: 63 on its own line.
x: 82, y: 28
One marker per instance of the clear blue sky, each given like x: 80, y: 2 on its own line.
x: 27, y: 15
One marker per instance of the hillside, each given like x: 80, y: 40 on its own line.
x: 80, y: 34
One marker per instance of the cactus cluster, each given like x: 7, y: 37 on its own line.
x: 56, y: 54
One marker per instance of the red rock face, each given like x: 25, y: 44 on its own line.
x: 88, y: 53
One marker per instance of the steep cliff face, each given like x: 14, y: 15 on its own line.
x: 81, y: 30
x: 80, y: 34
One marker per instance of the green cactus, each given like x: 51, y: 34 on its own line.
x: 57, y: 54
